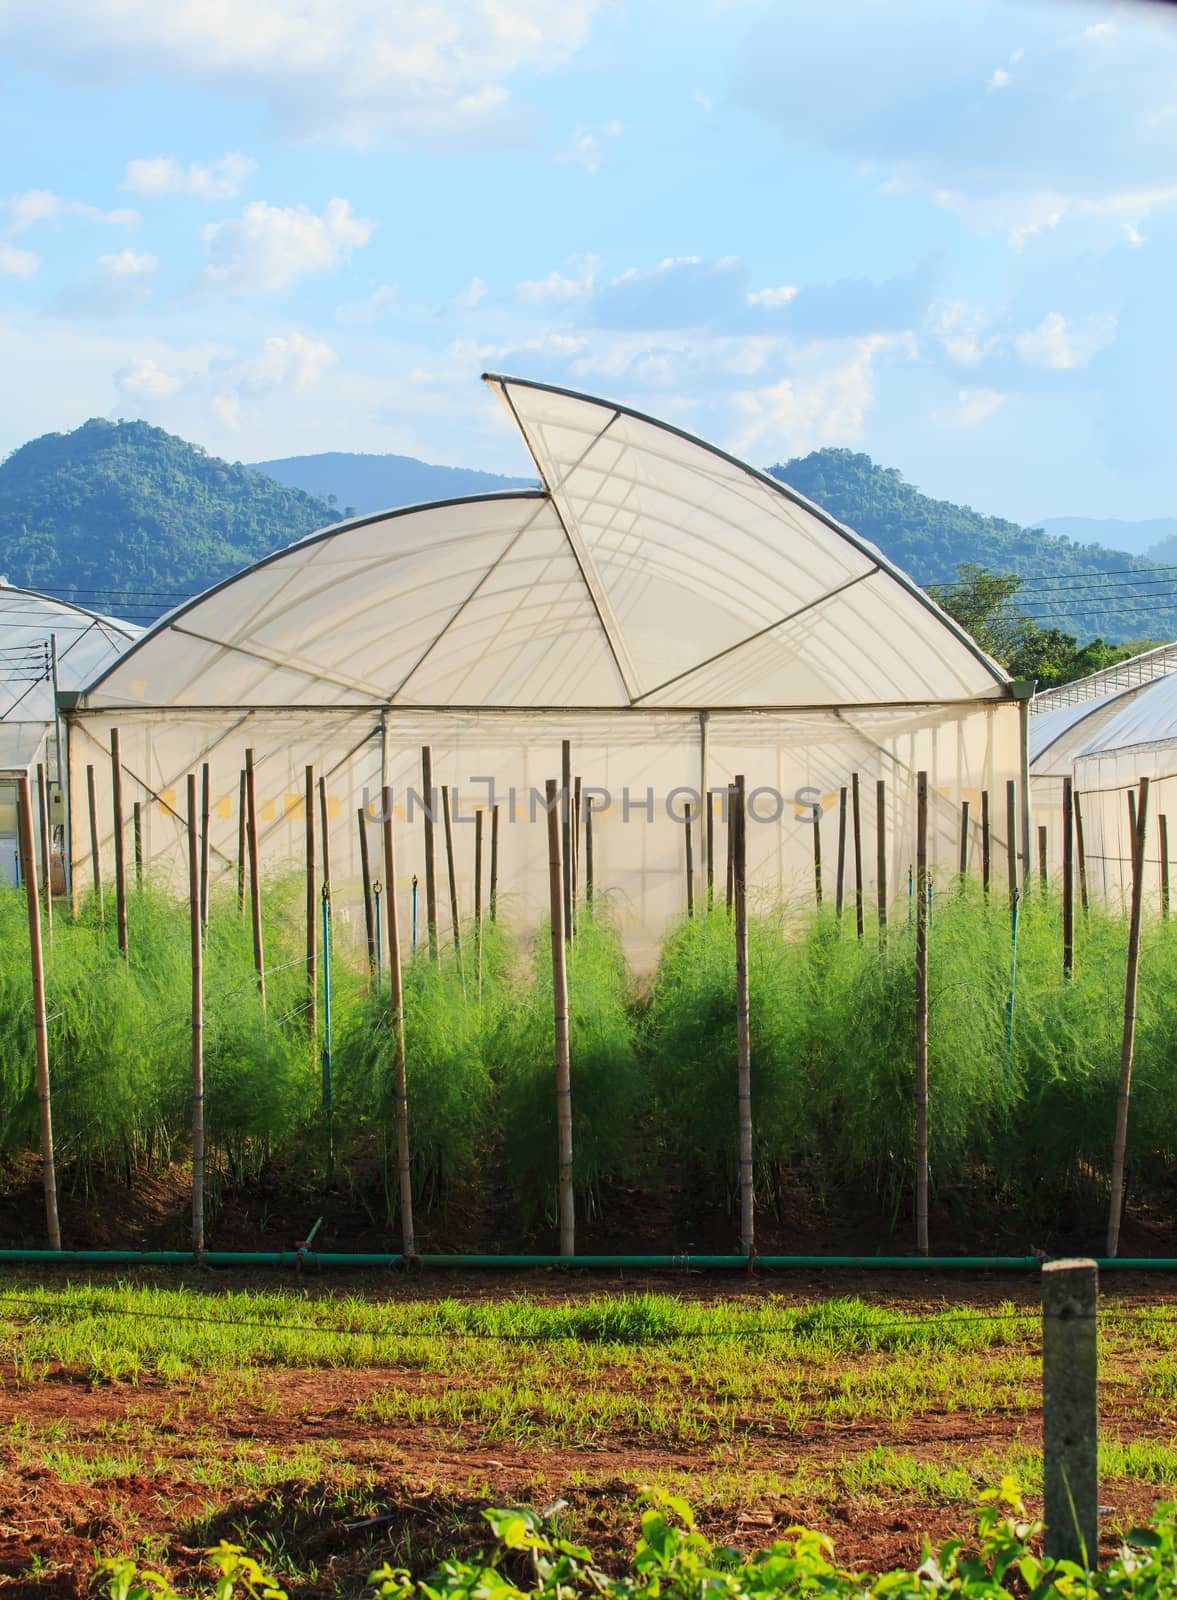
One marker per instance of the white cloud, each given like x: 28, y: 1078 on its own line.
x: 146, y: 377
x: 970, y: 407
x: 826, y: 404
x: 1132, y: 233
x: 958, y: 326
x: 558, y: 288
x: 471, y: 295
x: 1099, y: 30
x: 1061, y: 345
x: 16, y: 263
x: 771, y: 298
x: 41, y: 205
x: 413, y: 72
x: 269, y: 247
x: 214, y: 180
x: 292, y: 361
x: 588, y: 147
x: 998, y: 79
x: 383, y: 299
x: 120, y: 282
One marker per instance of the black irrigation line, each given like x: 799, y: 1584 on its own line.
x: 56, y: 1308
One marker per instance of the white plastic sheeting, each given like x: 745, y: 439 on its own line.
x: 678, y: 616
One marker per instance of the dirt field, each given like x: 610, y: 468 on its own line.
x: 327, y: 1458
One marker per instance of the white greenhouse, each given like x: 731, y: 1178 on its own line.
x: 676, y: 615
x: 1105, y: 732
x: 44, y: 644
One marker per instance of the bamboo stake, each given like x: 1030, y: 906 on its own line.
x: 46, y: 851
x: 921, y: 1016
x: 120, y: 865
x: 964, y: 840
x: 856, y: 802
x: 1011, y: 853
x: 255, y: 888
x: 710, y: 848
x: 1081, y: 854
x: 455, y: 917
x: 196, y: 942
x: 576, y: 803
x: 430, y: 851
x: 588, y: 855
x: 817, y: 885
x: 478, y: 817
x: 1042, y: 855
x: 731, y: 848
x: 841, y: 874
x: 743, y: 1042
x: 1163, y: 822
x: 493, y: 905
x: 566, y: 829
x: 397, y: 1000
x: 564, y: 1195
x: 324, y: 838
x: 312, y: 906
x: 206, y: 805
x: 690, y: 860
x: 1128, y: 1042
x: 1068, y: 881
x: 881, y: 855
x: 28, y: 872
x: 241, y: 847
x: 137, y: 837
x: 986, y: 844
x: 366, y: 880
x: 95, y: 853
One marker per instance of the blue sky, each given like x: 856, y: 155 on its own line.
x: 943, y: 233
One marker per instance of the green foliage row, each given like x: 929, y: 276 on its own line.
x: 673, y: 1560
x: 1023, y: 1079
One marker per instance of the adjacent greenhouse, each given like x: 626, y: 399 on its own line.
x: 678, y: 617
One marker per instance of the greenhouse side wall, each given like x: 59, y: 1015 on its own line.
x: 639, y: 768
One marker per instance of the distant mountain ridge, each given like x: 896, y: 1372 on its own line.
x: 361, y: 483
x: 1155, y: 537
x: 126, y: 518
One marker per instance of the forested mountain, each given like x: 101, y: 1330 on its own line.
x: 364, y: 483
x: 930, y: 538
x: 123, y: 517
x: 1145, y: 538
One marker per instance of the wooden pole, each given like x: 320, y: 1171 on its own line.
x: 397, y: 1001
x: 312, y: 907
x: 710, y: 848
x: 46, y: 850
x: 1128, y: 1038
x: 478, y: 819
x: 137, y: 838
x: 255, y: 888
x: 120, y: 864
x: 1163, y: 823
x: 743, y: 1040
x: 493, y: 903
x: 921, y: 1015
x: 1070, y: 1411
x: 986, y: 843
x: 430, y: 851
x: 1131, y: 814
x: 731, y: 849
x: 1011, y: 849
x: 1042, y: 875
x: 241, y: 846
x: 564, y: 1195
x: 881, y: 855
x: 576, y: 807
x: 206, y: 806
x: 366, y: 880
x: 817, y: 884
x: 856, y: 802
x: 588, y: 855
x: 455, y: 916
x: 840, y: 881
x: 196, y: 943
x: 964, y: 840
x: 95, y: 853
x: 28, y: 872
x: 690, y: 860
x: 566, y: 829
x: 1080, y: 853
x: 1068, y: 880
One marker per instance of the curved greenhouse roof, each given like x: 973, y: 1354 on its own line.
x: 650, y: 570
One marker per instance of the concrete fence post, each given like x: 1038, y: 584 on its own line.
x: 1070, y: 1411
